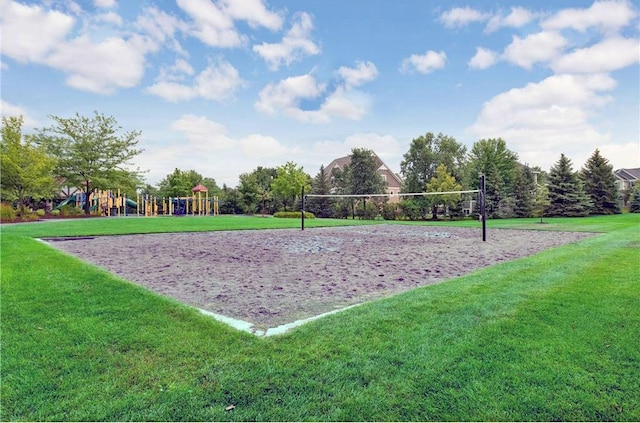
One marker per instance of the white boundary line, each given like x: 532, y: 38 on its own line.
x: 278, y: 330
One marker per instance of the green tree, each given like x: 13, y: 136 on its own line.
x: 320, y: 185
x: 421, y: 161
x: 26, y: 169
x: 363, y: 175
x: 442, y: 181
x: 600, y: 185
x: 524, y: 191
x: 254, y: 190
x: 229, y: 200
x: 90, y: 153
x: 541, y: 202
x: 288, y: 183
x: 634, y: 205
x: 179, y: 183
x: 566, y: 194
x: 492, y: 158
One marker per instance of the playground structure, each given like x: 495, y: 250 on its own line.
x: 112, y: 203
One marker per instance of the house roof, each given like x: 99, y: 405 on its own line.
x: 628, y: 174
x: 341, y: 162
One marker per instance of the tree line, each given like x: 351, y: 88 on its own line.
x: 93, y: 152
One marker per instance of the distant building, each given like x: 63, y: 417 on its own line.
x: 393, y: 180
x: 626, y: 179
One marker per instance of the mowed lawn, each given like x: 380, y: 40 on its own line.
x: 552, y: 337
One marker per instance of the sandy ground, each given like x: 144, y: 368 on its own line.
x: 273, y: 277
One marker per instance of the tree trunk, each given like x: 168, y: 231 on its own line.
x: 87, y: 202
x: 434, y: 213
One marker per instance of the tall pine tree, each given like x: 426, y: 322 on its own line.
x: 320, y: 185
x: 524, y: 191
x: 600, y: 185
x: 566, y: 193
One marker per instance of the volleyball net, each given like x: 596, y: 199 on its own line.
x: 480, y: 193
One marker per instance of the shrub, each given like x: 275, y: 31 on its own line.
x: 7, y: 212
x: 389, y: 211
x: 55, y: 212
x: 69, y: 210
x: 294, y: 215
x: 40, y: 212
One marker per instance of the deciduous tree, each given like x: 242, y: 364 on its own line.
x: 442, y: 181
x: 90, y: 151
x: 492, y: 158
x: 288, y: 183
x: 26, y: 170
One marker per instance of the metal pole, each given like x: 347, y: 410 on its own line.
x: 302, y: 214
x: 483, y: 206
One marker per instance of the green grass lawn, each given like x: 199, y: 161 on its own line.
x: 550, y: 337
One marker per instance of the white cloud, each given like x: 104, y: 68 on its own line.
x: 203, y: 134
x: 295, y: 45
x: 8, y: 110
x: 100, y: 67
x: 461, y: 16
x: 386, y: 147
x: 110, y: 17
x: 254, y: 12
x: 344, y: 101
x: 518, y: 17
x: 211, y: 24
x: 219, y: 82
x: 287, y: 94
x: 483, y: 59
x: 424, y: 63
x: 608, y: 16
x: 539, y: 117
x: 608, y: 55
x: 354, y: 77
x: 540, y: 47
x: 258, y: 146
x: 105, y: 4
x: 29, y: 33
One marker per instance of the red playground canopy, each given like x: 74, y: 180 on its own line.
x: 199, y: 188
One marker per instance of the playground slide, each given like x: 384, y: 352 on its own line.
x: 71, y: 200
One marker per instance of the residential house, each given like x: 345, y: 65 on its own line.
x: 625, y: 181
x: 393, y: 180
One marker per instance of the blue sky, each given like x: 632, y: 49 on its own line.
x: 224, y: 86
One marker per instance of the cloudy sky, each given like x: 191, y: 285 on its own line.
x: 224, y: 86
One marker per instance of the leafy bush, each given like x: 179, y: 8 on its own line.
x: 389, y: 211
x: 294, y: 215
x: 7, y: 212
x: 40, y: 212
x: 69, y: 210
x: 55, y: 212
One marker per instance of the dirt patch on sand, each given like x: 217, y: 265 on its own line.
x: 273, y: 277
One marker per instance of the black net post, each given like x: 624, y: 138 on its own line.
x: 483, y: 207
x: 302, y: 214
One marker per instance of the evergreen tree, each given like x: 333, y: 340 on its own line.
x: 600, y: 185
x: 634, y: 206
x: 524, y: 190
x: 320, y: 185
x: 566, y: 193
